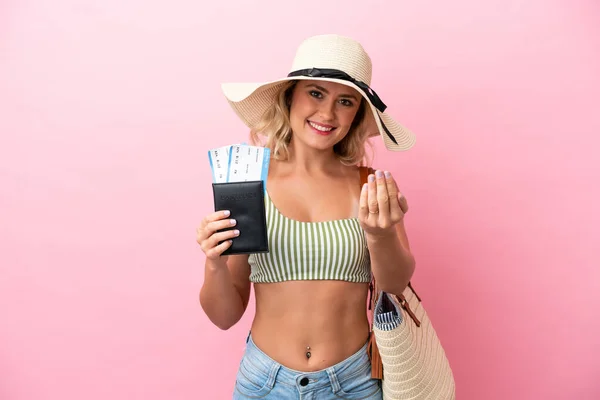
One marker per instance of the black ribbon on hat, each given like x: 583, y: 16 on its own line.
x: 338, y: 74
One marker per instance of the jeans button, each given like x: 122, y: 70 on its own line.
x: 304, y: 381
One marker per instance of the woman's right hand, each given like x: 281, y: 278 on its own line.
x: 208, y: 238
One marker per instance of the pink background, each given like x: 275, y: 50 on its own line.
x: 108, y: 109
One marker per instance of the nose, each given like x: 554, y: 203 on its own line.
x: 327, y: 110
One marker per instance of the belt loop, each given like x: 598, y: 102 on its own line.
x: 272, y: 375
x: 335, y: 385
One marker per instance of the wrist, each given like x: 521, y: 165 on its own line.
x: 382, y: 239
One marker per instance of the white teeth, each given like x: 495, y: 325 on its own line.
x: 319, y: 127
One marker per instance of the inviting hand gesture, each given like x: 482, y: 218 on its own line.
x: 382, y: 206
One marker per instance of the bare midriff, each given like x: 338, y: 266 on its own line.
x: 326, y: 319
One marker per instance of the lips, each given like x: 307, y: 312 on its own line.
x: 321, y: 129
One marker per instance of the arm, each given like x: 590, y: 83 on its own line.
x: 226, y: 290
x: 382, y: 210
x: 392, y: 262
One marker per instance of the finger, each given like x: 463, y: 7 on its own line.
x: 383, y: 199
x: 218, y: 250
x: 403, y: 203
x: 217, y: 238
x: 372, y: 196
x: 203, y: 234
x: 395, y: 210
x: 215, y: 226
x: 363, y: 206
x: 215, y: 216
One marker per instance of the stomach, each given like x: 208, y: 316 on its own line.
x: 326, y: 318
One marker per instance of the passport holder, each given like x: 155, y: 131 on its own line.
x: 246, y: 202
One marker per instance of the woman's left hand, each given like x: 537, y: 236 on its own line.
x: 382, y: 206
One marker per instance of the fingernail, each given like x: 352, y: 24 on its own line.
x: 379, y: 174
x: 232, y: 221
x: 387, y: 174
x: 364, y: 187
x: 226, y: 213
x: 371, y: 178
x: 236, y: 232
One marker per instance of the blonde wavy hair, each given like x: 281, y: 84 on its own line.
x: 274, y: 131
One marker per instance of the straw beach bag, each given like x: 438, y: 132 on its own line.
x: 405, y: 351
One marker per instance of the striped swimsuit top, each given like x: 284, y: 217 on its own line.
x: 332, y: 250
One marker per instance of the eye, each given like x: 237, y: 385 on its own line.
x: 316, y: 93
x: 346, y: 103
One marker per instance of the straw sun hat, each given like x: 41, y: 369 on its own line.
x: 332, y: 58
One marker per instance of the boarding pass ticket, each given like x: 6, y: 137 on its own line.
x: 239, y: 163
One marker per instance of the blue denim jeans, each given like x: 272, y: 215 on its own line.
x: 260, y: 377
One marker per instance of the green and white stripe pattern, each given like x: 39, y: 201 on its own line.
x: 335, y: 250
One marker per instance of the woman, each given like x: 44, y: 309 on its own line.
x: 328, y: 235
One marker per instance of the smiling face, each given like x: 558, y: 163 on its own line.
x: 322, y: 113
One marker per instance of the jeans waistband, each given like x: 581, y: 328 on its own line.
x: 331, y: 376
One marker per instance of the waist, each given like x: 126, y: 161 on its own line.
x: 329, y: 317
x: 344, y: 369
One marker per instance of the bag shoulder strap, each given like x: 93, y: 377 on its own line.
x: 364, y: 174
x: 373, y: 351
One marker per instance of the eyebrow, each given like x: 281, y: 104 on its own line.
x: 321, y: 88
